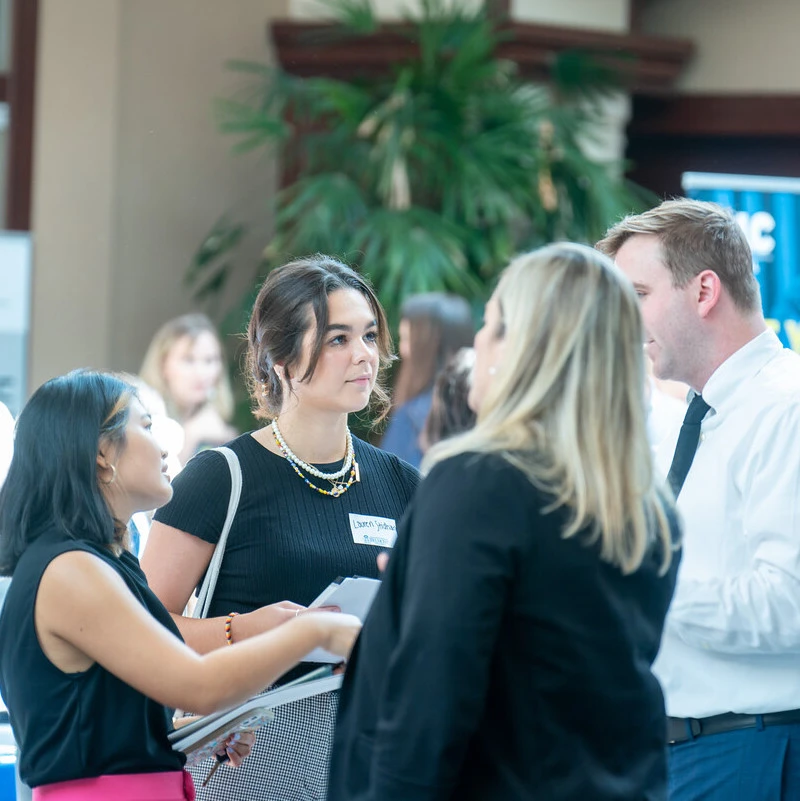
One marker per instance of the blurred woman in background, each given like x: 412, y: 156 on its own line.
x: 433, y: 326
x: 6, y: 440
x: 450, y: 413
x: 184, y: 364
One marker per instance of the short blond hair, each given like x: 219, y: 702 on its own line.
x: 695, y: 235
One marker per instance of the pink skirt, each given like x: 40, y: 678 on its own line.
x: 174, y: 785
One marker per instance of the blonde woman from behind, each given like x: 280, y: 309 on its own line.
x: 508, y: 653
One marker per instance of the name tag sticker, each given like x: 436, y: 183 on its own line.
x: 368, y: 530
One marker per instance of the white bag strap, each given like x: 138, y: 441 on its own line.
x: 212, y: 573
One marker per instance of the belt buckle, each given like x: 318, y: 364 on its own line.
x: 693, y: 728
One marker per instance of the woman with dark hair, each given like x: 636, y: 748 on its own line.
x: 317, y: 339
x: 450, y: 413
x: 508, y: 653
x: 433, y: 326
x: 89, y: 657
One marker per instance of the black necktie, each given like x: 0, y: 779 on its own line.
x: 687, y: 443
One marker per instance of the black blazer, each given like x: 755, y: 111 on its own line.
x: 501, y: 661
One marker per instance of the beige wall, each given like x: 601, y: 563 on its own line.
x: 75, y: 149
x: 609, y: 15
x: 742, y: 46
x: 605, y: 15
x: 384, y: 9
x: 129, y: 170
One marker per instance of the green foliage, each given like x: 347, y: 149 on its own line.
x: 433, y: 176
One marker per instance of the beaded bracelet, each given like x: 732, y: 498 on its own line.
x: 228, y: 633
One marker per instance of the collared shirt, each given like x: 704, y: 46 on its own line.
x: 732, y: 639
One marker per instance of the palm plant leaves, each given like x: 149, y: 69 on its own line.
x: 431, y: 177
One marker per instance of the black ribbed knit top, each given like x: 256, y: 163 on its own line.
x: 287, y: 541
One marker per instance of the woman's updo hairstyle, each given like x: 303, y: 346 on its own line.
x: 293, y: 299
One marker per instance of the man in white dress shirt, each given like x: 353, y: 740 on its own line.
x: 730, y: 657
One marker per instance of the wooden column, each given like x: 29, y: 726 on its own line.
x: 19, y: 89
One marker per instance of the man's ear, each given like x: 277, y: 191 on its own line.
x: 709, y: 291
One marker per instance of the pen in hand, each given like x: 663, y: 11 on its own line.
x: 243, y: 736
x: 221, y: 760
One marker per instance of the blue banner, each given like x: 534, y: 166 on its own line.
x: 768, y: 210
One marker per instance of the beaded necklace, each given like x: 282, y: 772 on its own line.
x: 309, y: 468
x: 339, y: 487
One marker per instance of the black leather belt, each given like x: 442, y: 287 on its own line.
x: 680, y: 730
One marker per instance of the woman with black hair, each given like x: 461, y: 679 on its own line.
x: 89, y: 657
x: 433, y: 326
x: 450, y: 413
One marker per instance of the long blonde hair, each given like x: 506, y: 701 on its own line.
x: 152, y: 370
x: 566, y: 405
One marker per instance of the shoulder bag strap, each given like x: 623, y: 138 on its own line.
x: 212, y: 573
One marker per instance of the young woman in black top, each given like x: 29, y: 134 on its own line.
x: 316, y: 341
x: 507, y: 655
x: 89, y: 658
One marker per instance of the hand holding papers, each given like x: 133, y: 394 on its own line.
x: 203, y: 736
x: 354, y: 596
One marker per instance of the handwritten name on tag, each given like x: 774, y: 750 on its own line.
x: 369, y: 530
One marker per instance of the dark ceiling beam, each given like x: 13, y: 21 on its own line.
x: 647, y: 63
x: 716, y: 115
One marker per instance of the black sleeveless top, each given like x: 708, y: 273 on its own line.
x: 76, y: 725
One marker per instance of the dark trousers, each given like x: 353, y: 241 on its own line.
x: 745, y: 765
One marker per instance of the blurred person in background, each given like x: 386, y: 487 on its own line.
x: 508, y: 653
x: 433, y: 326
x: 184, y: 364
x: 6, y: 440
x: 666, y: 406
x: 450, y: 413
x: 6, y: 453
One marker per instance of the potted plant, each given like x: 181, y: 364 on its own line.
x: 428, y: 177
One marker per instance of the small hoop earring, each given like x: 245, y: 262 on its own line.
x: 113, y: 476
